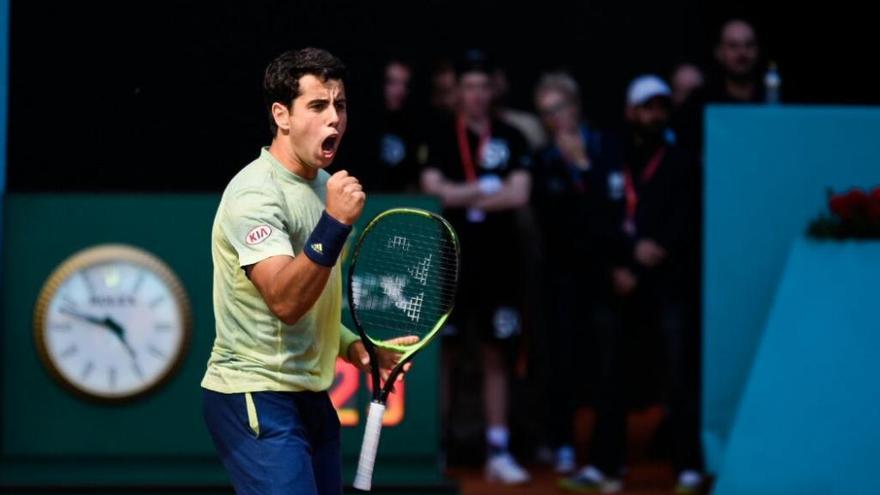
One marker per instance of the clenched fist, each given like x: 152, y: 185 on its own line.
x: 345, y: 197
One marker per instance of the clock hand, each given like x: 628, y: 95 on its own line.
x: 91, y: 319
x: 117, y: 330
x: 105, y: 322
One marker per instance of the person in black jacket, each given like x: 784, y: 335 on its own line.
x: 655, y: 273
x: 577, y: 179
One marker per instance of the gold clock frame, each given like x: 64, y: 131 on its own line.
x: 99, y: 254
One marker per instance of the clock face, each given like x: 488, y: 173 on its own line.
x: 112, y: 322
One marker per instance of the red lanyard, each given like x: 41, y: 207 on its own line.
x: 464, y: 149
x: 632, y: 196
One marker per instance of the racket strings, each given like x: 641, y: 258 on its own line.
x: 405, y: 277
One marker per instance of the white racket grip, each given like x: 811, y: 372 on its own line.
x: 363, y: 480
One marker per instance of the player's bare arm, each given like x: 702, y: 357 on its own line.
x: 290, y: 286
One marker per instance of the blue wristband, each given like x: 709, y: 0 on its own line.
x: 327, y: 240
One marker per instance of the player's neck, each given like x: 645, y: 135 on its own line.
x: 286, y: 155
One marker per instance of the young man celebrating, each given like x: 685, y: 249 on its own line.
x: 278, y: 232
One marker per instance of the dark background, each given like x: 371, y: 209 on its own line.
x: 151, y: 96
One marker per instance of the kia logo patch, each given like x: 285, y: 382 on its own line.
x: 258, y: 234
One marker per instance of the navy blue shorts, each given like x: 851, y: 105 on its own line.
x: 277, y: 442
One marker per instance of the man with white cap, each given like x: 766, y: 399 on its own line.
x: 655, y: 280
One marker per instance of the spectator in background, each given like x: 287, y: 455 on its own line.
x: 395, y: 142
x: 442, y: 105
x: 398, y: 75
x: 443, y: 87
x: 526, y: 123
x: 656, y: 275
x: 737, y: 55
x: 576, y: 181
x: 685, y: 79
x: 477, y: 166
x: 737, y: 79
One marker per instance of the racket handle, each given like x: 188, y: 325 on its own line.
x: 363, y: 480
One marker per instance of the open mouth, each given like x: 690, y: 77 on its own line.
x: 328, y: 146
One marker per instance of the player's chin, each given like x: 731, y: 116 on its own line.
x: 322, y: 161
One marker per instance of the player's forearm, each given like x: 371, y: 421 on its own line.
x: 347, y: 339
x: 296, y: 287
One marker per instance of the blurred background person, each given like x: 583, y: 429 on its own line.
x: 478, y: 167
x: 389, y: 163
x: 737, y: 78
x: 442, y: 105
x: 685, y: 79
x: 443, y: 87
x: 737, y: 53
x: 576, y: 181
x: 662, y: 225
x: 657, y: 279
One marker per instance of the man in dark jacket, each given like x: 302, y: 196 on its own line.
x: 655, y: 273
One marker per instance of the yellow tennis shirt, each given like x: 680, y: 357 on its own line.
x: 267, y: 210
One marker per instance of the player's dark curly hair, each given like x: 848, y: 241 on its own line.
x: 281, y: 81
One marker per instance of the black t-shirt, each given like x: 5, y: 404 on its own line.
x: 505, y: 151
x: 389, y: 158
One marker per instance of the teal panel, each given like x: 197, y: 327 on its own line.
x: 808, y: 419
x: 767, y: 169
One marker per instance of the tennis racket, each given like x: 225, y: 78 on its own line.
x: 401, y: 282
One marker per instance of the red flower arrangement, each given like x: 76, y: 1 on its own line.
x: 854, y: 214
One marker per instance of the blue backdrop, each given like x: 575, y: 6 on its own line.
x: 767, y: 170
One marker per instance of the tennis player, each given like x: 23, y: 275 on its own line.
x: 276, y: 239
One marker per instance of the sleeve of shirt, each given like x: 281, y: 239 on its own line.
x: 255, y: 225
x: 346, y: 338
